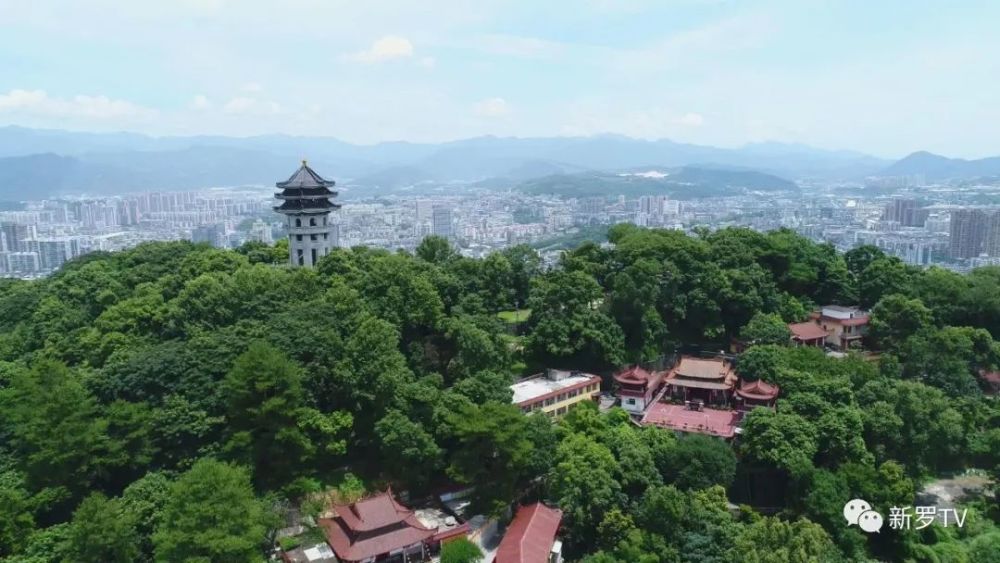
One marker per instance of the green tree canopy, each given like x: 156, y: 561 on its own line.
x: 212, y: 515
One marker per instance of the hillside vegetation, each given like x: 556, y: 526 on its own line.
x: 167, y: 402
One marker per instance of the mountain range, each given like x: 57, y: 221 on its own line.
x: 936, y: 168
x: 36, y: 163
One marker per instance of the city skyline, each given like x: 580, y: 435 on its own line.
x: 845, y: 76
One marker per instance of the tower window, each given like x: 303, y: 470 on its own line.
x: 298, y: 222
x: 312, y: 222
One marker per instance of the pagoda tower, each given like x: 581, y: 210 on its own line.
x: 306, y: 206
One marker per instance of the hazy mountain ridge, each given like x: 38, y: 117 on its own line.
x: 681, y: 183
x: 115, y: 162
x: 935, y: 167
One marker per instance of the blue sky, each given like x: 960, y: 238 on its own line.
x: 884, y: 77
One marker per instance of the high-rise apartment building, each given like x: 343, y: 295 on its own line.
x: 907, y: 212
x: 967, y: 233
x: 441, y: 222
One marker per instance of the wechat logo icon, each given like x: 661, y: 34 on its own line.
x: 858, y: 512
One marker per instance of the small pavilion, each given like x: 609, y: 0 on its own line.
x: 753, y: 394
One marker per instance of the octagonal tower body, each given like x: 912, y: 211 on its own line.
x: 306, y: 204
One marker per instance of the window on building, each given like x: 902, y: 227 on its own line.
x: 630, y: 401
x: 314, y: 260
x: 312, y: 237
x: 301, y: 258
x: 298, y: 238
x: 298, y: 222
x: 312, y: 222
x: 549, y: 401
x: 325, y: 235
x: 561, y: 411
x: 561, y: 397
x: 574, y: 393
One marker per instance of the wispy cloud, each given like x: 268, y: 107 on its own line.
x: 518, y: 46
x: 40, y: 103
x: 251, y: 106
x: 492, y: 107
x: 390, y: 47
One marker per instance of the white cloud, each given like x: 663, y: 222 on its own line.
x: 697, y: 46
x: 39, y: 103
x: 252, y: 87
x: 492, y: 107
x: 384, y: 49
x: 201, y: 102
x: 518, y: 46
x: 251, y: 106
x: 428, y: 62
x: 690, y: 119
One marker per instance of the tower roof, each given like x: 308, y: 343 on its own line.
x: 305, y: 192
x: 305, y: 177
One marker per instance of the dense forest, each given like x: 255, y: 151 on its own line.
x: 170, y: 402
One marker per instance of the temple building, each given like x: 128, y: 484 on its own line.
x: 753, y: 394
x: 306, y: 204
x: 531, y: 536
x: 637, y: 387
x: 380, y: 529
x: 707, y: 381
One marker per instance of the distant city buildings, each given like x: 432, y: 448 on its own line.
x: 442, y: 225
x: 926, y: 225
x: 974, y: 232
x: 260, y: 232
x: 906, y: 212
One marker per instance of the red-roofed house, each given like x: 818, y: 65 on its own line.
x: 809, y: 333
x: 844, y: 326
x: 753, y: 394
x: 991, y: 379
x: 636, y: 388
x: 531, y: 536
x: 375, y: 528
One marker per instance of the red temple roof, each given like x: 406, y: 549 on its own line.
x: 530, y: 536
x: 807, y: 331
x: 636, y: 375
x: 371, y: 527
x: 991, y: 377
x: 759, y: 390
x: 372, y: 513
x: 701, y: 373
